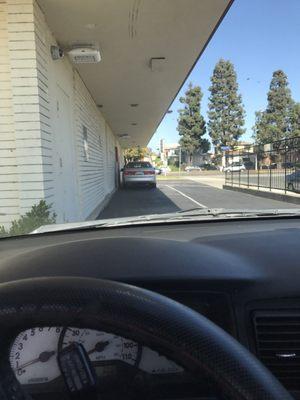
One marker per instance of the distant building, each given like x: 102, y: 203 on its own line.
x: 242, y: 152
x: 171, y: 152
x: 168, y: 151
x: 161, y: 145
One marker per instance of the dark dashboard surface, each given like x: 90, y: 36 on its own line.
x: 229, y: 271
x: 258, y: 258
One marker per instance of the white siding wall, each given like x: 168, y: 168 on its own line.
x: 95, y: 177
x: 30, y: 138
x: 110, y: 159
x: 29, y: 122
x: 96, y: 173
x: 9, y: 184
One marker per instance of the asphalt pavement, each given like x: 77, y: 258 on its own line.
x: 175, y: 195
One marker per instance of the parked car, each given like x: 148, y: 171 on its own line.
x: 209, y: 167
x: 139, y: 172
x: 191, y: 168
x: 158, y: 171
x: 249, y: 165
x: 270, y: 166
x: 235, y: 167
x: 293, y: 181
x: 287, y: 165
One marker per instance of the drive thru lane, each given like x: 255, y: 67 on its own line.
x: 176, y: 195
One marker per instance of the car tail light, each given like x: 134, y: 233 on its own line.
x: 129, y: 173
x: 149, y: 172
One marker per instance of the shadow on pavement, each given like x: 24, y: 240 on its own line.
x: 137, y: 201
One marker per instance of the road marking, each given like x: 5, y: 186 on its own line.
x: 188, y: 197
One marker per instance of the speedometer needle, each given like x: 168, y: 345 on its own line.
x: 99, y: 347
x: 43, y: 357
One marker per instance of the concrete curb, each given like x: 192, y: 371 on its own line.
x: 95, y: 213
x: 268, y: 195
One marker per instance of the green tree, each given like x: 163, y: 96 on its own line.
x: 226, y: 111
x: 275, y: 122
x: 135, y: 153
x: 191, y: 124
x: 205, y: 145
x: 295, y: 120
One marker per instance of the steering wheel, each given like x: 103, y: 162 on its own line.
x: 174, y: 330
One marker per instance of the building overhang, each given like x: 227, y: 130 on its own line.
x: 148, y: 48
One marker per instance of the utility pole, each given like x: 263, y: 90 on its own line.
x: 179, y: 160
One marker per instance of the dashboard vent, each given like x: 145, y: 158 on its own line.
x: 277, y: 335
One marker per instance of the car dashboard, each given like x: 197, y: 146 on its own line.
x: 241, y: 274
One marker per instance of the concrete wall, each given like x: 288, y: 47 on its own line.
x: 48, y: 122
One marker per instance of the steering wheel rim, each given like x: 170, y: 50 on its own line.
x: 178, y: 332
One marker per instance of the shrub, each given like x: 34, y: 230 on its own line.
x: 40, y: 214
x: 3, y: 232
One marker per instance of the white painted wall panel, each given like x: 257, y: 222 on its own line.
x: 31, y: 86
x: 95, y: 173
x: 9, y: 185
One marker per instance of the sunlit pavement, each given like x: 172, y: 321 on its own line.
x: 181, y: 194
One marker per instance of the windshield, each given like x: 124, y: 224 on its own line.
x: 138, y: 165
x: 127, y: 109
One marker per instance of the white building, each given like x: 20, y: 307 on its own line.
x: 63, y: 126
x: 168, y: 151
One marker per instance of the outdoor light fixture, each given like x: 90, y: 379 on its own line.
x: 57, y: 53
x: 84, y: 54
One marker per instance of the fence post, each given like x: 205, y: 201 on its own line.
x: 248, y: 167
x: 257, y: 166
x: 270, y: 173
x: 285, y: 162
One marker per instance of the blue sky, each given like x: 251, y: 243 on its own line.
x: 258, y: 36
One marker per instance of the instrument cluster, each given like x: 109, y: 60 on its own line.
x: 33, y: 354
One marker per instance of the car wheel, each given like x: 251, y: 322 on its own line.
x: 153, y: 185
x: 291, y: 187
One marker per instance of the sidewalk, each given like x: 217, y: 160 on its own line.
x: 275, y: 194
x: 214, y: 179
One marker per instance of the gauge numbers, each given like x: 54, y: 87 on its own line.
x: 33, y: 355
x: 103, y: 346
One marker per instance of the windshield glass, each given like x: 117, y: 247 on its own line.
x: 127, y: 109
x: 138, y: 165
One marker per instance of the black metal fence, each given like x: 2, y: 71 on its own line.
x: 274, y: 166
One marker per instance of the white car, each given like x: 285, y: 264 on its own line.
x: 235, y: 167
x: 139, y: 172
x: 190, y: 168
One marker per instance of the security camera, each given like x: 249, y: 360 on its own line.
x: 56, y: 52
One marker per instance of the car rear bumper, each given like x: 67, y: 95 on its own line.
x: 139, y: 179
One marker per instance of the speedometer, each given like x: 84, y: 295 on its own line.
x: 103, y: 346
x: 33, y: 355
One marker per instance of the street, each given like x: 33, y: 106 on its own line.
x: 182, y: 194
